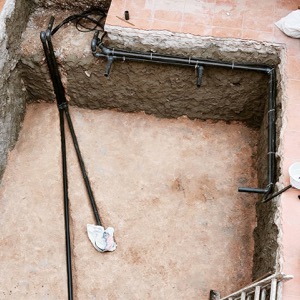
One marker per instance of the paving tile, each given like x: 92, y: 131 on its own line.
x: 196, y: 29
x: 166, y: 25
x: 293, y: 91
x: 258, y: 20
x: 225, y: 18
x: 257, y: 35
x: 163, y: 15
x: 227, y: 32
x: 266, y: 5
x: 293, y: 116
x: 287, y: 4
x: 293, y: 45
x: 291, y: 143
x: 1, y: 4
x: 195, y: 7
x: 293, y: 67
x: 200, y: 19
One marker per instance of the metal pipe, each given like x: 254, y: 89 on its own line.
x: 150, y: 56
x: 199, y: 75
x: 50, y: 58
x: 276, y: 194
x: 110, y: 60
x: 82, y: 167
x: 252, y: 190
x: 273, y: 291
x: 66, y: 205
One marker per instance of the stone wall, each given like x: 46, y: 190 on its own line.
x: 13, y: 19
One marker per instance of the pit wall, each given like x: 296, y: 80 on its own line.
x: 267, y: 234
x: 164, y: 91
x: 13, y: 20
x: 131, y: 84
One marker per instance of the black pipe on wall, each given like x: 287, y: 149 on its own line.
x: 116, y: 54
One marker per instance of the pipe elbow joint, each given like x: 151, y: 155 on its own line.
x: 104, y: 49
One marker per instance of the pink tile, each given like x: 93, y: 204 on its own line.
x: 286, y: 163
x: 1, y: 4
x: 117, y: 7
x: 115, y: 21
x: 164, y: 15
x: 196, y: 29
x: 293, y: 67
x: 257, y: 35
x: 289, y: 5
x: 224, y: 18
x: 293, y: 45
x: 266, y: 5
x: 291, y: 144
x: 166, y: 25
x: 169, y: 5
x: 258, y: 20
x: 293, y: 92
x: 227, y: 32
x: 293, y: 116
x: 290, y: 211
x: 199, y: 19
x: 199, y: 7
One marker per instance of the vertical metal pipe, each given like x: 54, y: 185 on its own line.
x: 279, y: 290
x: 271, y: 129
x: 257, y: 293
x: 66, y: 204
x: 263, y: 294
x: 82, y: 167
x: 273, y: 291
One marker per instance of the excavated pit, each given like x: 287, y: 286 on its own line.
x: 168, y: 186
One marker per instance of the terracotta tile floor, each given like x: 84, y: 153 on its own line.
x: 243, y: 19
x: 1, y: 4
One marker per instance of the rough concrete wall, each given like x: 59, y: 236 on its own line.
x: 267, y: 231
x: 13, y: 19
x: 162, y: 90
x: 70, y: 4
x: 230, y: 50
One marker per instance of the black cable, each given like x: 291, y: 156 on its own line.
x: 66, y: 204
x: 82, y: 167
x: 87, y: 16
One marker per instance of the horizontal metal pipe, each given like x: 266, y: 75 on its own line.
x: 128, y: 55
x: 252, y: 190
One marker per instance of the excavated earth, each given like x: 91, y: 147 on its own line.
x: 169, y: 188
x: 164, y: 179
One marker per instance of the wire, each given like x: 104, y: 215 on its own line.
x: 89, y: 20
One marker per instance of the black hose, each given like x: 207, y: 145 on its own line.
x: 82, y: 167
x: 277, y: 194
x: 66, y: 204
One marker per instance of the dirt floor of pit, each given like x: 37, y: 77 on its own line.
x: 169, y: 188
